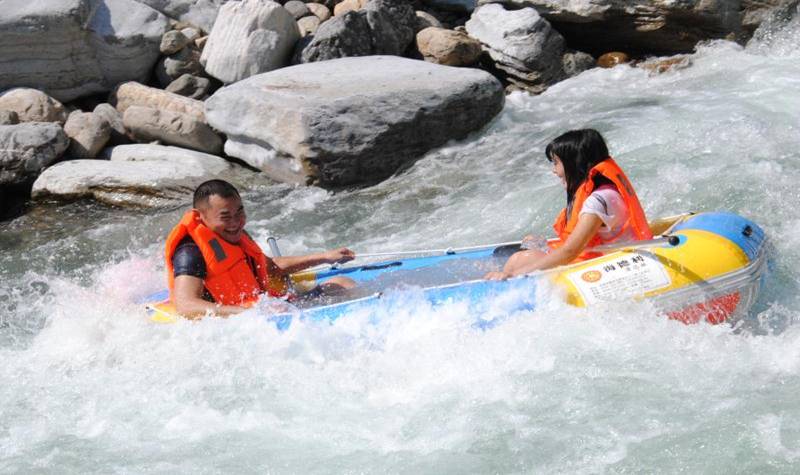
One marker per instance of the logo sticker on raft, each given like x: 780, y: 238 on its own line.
x: 627, y: 275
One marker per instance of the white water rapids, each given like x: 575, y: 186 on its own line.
x: 89, y: 385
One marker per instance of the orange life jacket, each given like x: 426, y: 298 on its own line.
x: 229, y: 276
x: 636, y: 223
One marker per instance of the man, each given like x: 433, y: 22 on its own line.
x: 213, y: 266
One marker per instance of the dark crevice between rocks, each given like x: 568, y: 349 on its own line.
x: 671, y: 39
x: 14, y: 200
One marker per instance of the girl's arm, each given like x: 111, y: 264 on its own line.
x: 585, y: 230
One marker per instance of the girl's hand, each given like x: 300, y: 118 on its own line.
x: 499, y: 275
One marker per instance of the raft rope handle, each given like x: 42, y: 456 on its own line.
x: 665, y: 239
x: 672, y: 240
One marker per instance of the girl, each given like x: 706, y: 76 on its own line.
x: 602, y: 206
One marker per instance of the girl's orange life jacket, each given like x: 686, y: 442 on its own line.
x: 637, y: 222
x: 229, y: 277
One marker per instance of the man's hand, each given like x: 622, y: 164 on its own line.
x: 339, y: 256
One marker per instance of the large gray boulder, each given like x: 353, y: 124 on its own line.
x: 135, y: 175
x: 381, y: 27
x: 25, y: 149
x: 522, y: 44
x: 350, y: 120
x: 250, y: 37
x: 662, y: 27
x: 74, y: 48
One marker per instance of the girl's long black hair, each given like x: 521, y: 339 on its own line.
x: 579, y: 151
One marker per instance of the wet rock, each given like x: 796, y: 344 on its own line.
x: 31, y: 105
x: 754, y: 12
x: 76, y: 48
x: 308, y: 25
x: 320, y: 11
x: 351, y: 120
x: 113, y: 118
x: 426, y: 20
x: 190, y: 86
x: 250, y: 37
x: 523, y: 45
x: 88, y: 134
x: 173, y: 41
x: 348, y: 6
x: 25, y: 149
x: 135, y: 175
x: 297, y: 9
x: 662, y: 27
x: 381, y: 27
x: 185, y: 61
x: 146, y: 124
x: 8, y: 117
x: 135, y: 94
x: 448, y: 47
x: 663, y: 65
x: 770, y: 36
x: 609, y: 60
x: 576, y: 62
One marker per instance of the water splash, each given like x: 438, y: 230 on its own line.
x: 89, y: 385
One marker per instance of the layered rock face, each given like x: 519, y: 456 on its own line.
x: 74, y: 48
x: 351, y: 120
x: 250, y: 37
x: 637, y: 26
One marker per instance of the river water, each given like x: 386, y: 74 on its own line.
x: 89, y: 385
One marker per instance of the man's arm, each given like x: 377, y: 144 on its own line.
x: 292, y: 264
x: 189, y: 302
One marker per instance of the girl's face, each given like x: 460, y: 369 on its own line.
x: 558, y: 170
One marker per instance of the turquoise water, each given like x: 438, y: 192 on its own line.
x: 89, y: 385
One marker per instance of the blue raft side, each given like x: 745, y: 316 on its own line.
x: 477, y: 294
x: 730, y: 226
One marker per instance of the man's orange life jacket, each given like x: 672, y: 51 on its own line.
x: 637, y: 222
x: 229, y: 277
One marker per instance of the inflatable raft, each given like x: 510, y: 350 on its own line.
x: 700, y: 267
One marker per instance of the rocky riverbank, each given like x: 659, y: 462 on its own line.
x: 134, y: 103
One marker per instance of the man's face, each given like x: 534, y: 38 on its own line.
x: 224, y: 216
